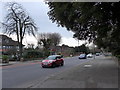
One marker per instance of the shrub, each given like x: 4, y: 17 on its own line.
x: 13, y: 58
x: 5, y: 59
x: 118, y: 56
x: 46, y: 53
x: 33, y: 54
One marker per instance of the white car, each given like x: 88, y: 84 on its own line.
x: 82, y: 56
x: 89, y: 55
x: 97, y: 54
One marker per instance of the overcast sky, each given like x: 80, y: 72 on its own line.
x: 38, y: 11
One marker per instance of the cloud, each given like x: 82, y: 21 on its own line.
x: 71, y: 42
x: 27, y: 39
x: 32, y: 40
x: 22, y: 0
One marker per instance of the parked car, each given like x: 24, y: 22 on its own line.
x: 53, y: 61
x: 97, y: 54
x: 89, y: 55
x: 82, y: 56
x: 13, y: 58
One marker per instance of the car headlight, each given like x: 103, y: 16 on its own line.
x: 50, y: 61
x: 43, y: 61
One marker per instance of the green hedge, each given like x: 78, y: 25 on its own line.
x: 33, y: 54
x: 5, y: 59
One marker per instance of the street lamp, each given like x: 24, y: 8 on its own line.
x: 94, y: 50
x: 94, y: 46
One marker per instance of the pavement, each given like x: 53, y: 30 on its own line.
x: 98, y: 73
x: 17, y: 62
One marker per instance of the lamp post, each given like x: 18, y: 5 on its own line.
x: 78, y: 45
x: 94, y: 50
x: 94, y: 46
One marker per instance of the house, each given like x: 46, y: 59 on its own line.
x: 6, y: 44
x: 64, y: 50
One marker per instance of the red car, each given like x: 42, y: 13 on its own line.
x: 53, y: 61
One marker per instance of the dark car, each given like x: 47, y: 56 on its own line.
x: 82, y: 56
x: 53, y: 61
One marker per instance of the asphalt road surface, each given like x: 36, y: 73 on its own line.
x: 27, y: 75
x: 101, y: 72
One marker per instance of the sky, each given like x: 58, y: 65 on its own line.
x: 38, y: 12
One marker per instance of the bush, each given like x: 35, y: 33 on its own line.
x: 33, y: 54
x: 118, y: 56
x: 46, y: 53
x: 13, y: 58
x: 5, y: 59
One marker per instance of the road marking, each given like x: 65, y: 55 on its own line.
x: 87, y: 66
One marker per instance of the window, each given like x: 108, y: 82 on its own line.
x: 6, y: 40
x: 3, y: 47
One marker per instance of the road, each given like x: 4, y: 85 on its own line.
x: 27, y: 75
x: 101, y: 72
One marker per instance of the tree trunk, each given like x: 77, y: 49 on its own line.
x: 21, y: 50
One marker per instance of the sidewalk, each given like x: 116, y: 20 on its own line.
x: 16, y: 62
x: 98, y: 73
x: 6, y: 64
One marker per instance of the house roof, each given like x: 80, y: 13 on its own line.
x: 7, y: 41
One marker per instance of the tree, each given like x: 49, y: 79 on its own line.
x: 49, y: 39
x: 44, y: 40
x: 92, y: 21
x: 82, y: 49
x: 18, y: 22
x: 55, y: 38
x: 31, y: 46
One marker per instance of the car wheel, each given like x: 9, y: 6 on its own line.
x: 53, y: 65
x: 62, y: 63
x: 43, y: 67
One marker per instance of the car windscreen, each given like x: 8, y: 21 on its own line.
x: 82, y: 55
x: 51, y: 58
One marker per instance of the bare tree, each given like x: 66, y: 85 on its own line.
x: 56, y: 38
x: 30, y: 46
x: 49, y: 39
x: 44, y: 40
x: 18, y: 22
